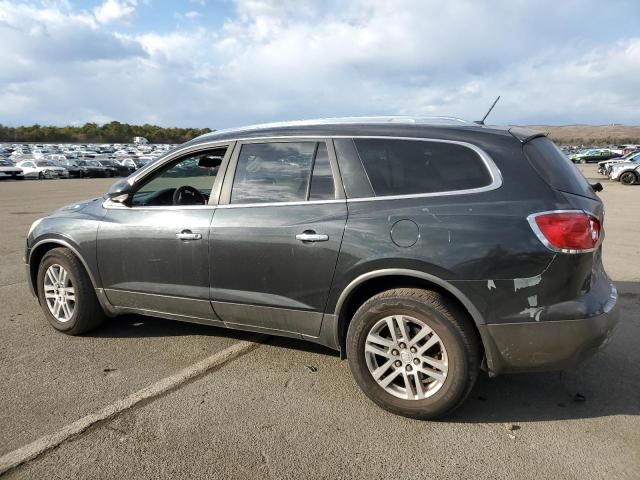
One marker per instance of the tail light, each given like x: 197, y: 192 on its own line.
x: 571, y: 231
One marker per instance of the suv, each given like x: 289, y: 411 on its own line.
x: 421, y: 250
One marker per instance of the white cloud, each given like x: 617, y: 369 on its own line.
x: 111, y: 11
x: 552, y: 63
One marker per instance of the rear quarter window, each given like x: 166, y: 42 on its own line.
x: 406, y: 167
x: 555, y: 168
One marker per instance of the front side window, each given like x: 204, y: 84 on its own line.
x: 407, y: 167
x: 273, y: 172
x: 186, y: 182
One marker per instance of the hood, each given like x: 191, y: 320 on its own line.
x: 76, y: 207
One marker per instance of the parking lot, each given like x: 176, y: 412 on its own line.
x: 287, y: 409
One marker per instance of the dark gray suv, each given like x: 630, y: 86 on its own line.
x: 422, y: 250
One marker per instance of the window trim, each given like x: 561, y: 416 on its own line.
x: 234, y: 143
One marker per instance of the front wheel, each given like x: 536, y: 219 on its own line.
x: 413, y: 352
x: 66, y: 293
x: 628, y: 178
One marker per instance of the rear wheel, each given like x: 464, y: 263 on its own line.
x: 413, y: 352
x: 628, y: 178
x: 66, y: 293
x: 40, y: 176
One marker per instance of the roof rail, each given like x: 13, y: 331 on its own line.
x: 402, y: 119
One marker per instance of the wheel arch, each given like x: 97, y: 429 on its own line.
x: 365, y: 286
x: 40, y: 249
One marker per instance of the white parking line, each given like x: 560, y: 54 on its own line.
x: 47, y: 442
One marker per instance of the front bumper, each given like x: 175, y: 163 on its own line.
x: 548, y: 345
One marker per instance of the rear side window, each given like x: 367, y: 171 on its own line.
x: 406, y: 167
x: 555, y: 168
x: 273, y: 172
x: 283, y: 172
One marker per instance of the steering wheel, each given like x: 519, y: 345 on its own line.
x: 188, y: 195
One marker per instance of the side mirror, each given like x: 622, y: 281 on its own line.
x: 597, y: 187
x: 120, y: 191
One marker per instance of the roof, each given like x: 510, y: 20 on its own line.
x: 395, y: 126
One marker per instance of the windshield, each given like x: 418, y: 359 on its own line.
x: 5, y: 163
x: 46, y: 164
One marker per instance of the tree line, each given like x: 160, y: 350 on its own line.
x: 112, y: 132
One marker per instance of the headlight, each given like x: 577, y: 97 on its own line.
x: 34, y: 225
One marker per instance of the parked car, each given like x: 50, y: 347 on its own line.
x: 134, y: 163
x: 117, y: 169
x: 604, y: 168
x: 9, y: 170
x: 73, y: 168
x: 626, y: 173
x: 625, y: 149
x: 42, y: 169
x: 94, y: 168
x: 593, y: 155
x: 421, y: 251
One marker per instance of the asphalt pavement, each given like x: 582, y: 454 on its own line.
x: 289, y: 409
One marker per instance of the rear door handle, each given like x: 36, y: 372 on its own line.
x: 188, y: 235
x: 311, y: 236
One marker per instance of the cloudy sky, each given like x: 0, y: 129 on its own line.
x: 222, y: 63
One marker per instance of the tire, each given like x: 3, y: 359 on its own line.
x: 40, y: 176
x: 457, y: 347
x: 86, y: 313
x: 628, y: 178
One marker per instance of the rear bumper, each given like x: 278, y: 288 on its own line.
x: 548, y: 345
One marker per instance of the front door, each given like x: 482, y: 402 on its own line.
x: 153, y: 250
x: 276, y: 236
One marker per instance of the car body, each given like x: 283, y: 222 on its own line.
x: 359, y: 234
x: 626, y: 173
x: 605, y: 167
x: 593, y: 155
x: 42, y: 169
x: 9, y: 170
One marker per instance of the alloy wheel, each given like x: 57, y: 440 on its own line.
x: 59, y: 293
x: 406, y: 357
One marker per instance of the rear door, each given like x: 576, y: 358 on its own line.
x: 276, y: 235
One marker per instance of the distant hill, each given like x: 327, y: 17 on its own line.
x: 591, y: 134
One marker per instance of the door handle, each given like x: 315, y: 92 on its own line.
x: 188, y: 235
x: 311, y: 236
